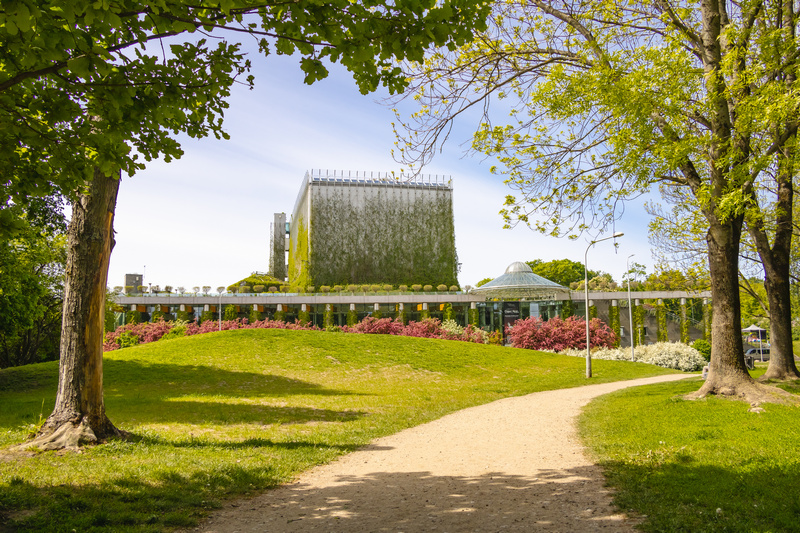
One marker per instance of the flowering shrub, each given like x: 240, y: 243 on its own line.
x: 430, y: 328
x: 379, y: 326
x: 674, y: 355
x: 452, y: 327
x: 143, y: 333
x: 558, y: 334
x: 495, y: 338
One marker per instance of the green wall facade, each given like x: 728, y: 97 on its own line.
x: 367, y: 232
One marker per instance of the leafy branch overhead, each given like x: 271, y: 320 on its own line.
x: 88, y: 84
x: 606, y: 99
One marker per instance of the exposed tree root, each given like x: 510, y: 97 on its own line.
x: 776, y: 375
x: 752, y: 392
x: 71, y: 435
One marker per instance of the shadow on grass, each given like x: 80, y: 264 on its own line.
x: 172, y: 499
x: 750, y: 496
x: 409, y: 501
x: 120, y: 377
x: 141, y: 393
x: 553, y: 500
x: 159, y: 411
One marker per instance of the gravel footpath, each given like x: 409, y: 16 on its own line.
x: 511, y: 465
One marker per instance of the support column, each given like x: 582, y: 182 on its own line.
x: 638, y: 319
x: 613, y: 319
x: 684, y: 323
x: 661, y: 322
x: 474, y: 317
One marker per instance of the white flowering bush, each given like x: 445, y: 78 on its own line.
x: 451, y: 326
x: 674, y: 355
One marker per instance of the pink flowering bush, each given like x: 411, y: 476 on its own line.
x: 427, y: 328
x: 379, y: 326
x: 143, y: 333
x: 558, y: 334
x: 430, y: 328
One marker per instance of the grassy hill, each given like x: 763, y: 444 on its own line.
x: 225, y: 414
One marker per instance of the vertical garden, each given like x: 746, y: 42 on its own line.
x: 369, y: 232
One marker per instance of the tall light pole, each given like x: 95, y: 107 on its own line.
x: 586, y: 297
x: 630, y: 309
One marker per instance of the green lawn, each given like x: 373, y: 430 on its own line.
x: 225, y: 414
x: 698, y: 466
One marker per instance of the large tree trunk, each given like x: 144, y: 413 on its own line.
x: 776, y: 261
x: 781, y: 352
x: 728, y: 375
x: 79, y: 416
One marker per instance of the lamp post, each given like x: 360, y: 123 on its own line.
x: 586, y: 297
x: 630, y: 308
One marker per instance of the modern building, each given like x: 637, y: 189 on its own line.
x: 369, y: 228
x: 133, y: 282
x: 517, y: 294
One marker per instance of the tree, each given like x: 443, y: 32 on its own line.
x: 601, y: 282
x: 31, y: 288
x: 562, y: 271
x: 91, y: 90
x: 675, y: 232
x: 610, y: 99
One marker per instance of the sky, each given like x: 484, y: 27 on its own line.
x: 204, y: 219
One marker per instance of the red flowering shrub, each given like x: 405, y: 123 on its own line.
x: 379, y: 326
x: 144, y: 333
x: 559, y: 334
x: 430, y: 328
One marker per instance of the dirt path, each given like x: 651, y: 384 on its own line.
x: 511, y: 465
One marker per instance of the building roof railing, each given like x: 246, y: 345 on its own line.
x: 371, y: 178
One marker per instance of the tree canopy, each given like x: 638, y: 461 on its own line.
x: 562, y: 271
x: 87, y: 84
x: 608, y: 100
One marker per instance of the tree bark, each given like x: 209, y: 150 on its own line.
x: 776, y: 261
x: 728, y: 375
x: 727, y: 369
x: 781, y: 353
x: 79, y: 416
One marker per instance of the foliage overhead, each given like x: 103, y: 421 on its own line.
x: 87, y: 84
x: 608, y: 99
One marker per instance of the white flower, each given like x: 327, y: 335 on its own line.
x: 667, y: 354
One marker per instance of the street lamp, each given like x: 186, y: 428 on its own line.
x: 586, y: 297
x: 630, y: 309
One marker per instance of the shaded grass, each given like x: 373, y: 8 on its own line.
x: 226, y: 414
x: 698, y: 466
